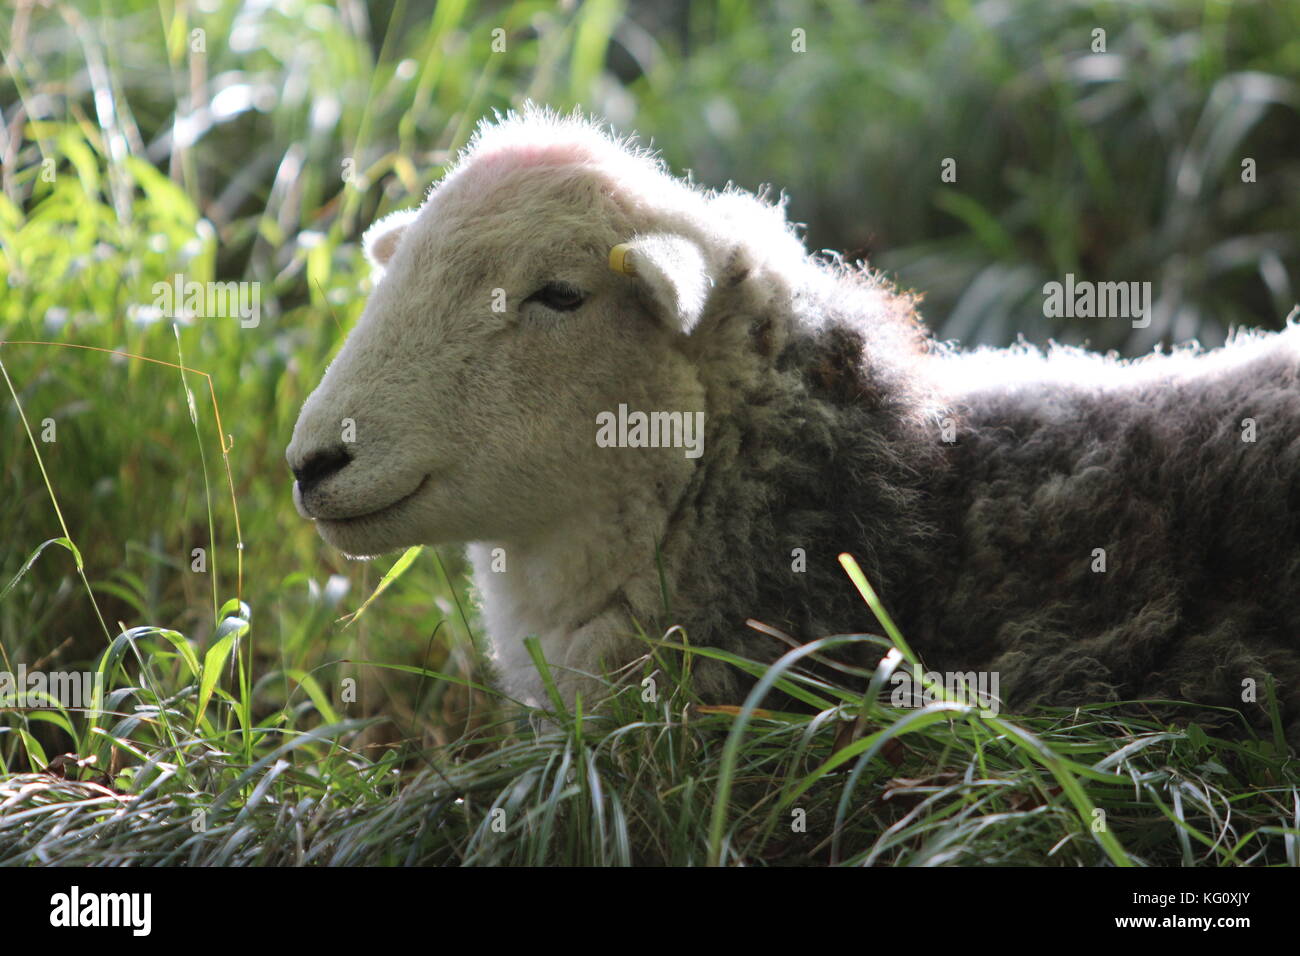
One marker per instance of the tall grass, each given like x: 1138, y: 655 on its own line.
x: 649, y: 781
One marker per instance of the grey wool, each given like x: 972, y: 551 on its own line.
x: 1089, y: 529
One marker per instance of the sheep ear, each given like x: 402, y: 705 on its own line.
x: 381, y: 239
x: 673, y: 271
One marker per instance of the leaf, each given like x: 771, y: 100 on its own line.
x: 395, y: 572
x: 213, y: 661
x: 732, y: 710
x: 182, y: 644
x: 35, y: 753
x: 27, y: 566
x: 235, y: 608
x: 318, y: 696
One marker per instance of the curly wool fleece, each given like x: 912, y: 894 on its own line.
x: 1090, y: 529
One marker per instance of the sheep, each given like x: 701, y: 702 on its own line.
x: 1087, y: 528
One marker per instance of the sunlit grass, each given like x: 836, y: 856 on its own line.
x: 656, y: 781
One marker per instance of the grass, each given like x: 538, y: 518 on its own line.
x: 172, y: 779
x: 284, y: 706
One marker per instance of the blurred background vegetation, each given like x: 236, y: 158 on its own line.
x: 256, y: 139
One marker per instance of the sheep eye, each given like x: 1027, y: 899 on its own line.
x: 559, y: 296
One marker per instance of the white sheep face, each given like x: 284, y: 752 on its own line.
x: 463, y: 405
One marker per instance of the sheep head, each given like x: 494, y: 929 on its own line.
x: 463, y: 405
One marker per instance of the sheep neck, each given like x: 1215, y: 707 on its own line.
x: 601, y: 559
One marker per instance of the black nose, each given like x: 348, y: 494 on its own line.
x: 319, y: 466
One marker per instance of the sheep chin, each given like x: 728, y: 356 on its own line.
x: 374, y: 532
x: 361, y: 539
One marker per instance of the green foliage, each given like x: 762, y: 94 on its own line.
x: 1117, y: 166
x: 655, y: 780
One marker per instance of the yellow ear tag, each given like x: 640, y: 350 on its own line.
x: 620, y: 259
